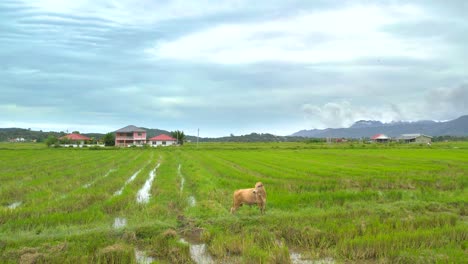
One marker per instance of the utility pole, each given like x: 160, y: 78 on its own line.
x: 198, y: 135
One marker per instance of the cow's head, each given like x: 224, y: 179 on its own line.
x: 258, y: 185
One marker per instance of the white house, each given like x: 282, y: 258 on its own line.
x: 162, y: 140
x: 415, y: 138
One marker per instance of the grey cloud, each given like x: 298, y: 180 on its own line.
x: 438, y: 103
x: 449, y: 102
x: 115, y: 83
x: 343, y: 113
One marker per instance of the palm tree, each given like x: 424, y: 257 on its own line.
x: 179, y: 135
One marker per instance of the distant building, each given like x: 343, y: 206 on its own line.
x: 415, y: 138
x: 162, y: 140
x: 130, y: 136
x: 17, y: 139
x: 380, y: 138
x: 75, y: 137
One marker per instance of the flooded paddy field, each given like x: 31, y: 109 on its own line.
x: 339, y: 204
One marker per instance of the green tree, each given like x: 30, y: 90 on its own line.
x: 75, y: 132
x: 179, y: 135
x: 51, y: 140
x: 109, y: 139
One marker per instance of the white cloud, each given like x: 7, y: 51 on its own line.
x: 343, y: 114
x: 435, y: 104
x: 443, y: 103
x: 326, y: 36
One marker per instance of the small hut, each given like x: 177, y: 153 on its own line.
x: 415, y: 138
x: 162, y: 140
x: 77, y: 139
x: 380, y: 138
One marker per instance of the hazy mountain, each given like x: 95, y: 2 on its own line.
x: 366, y: 123
x: 362, y: 128
x: 368, y: 128
x: 252, y: 137
x: 28, y: 135
x: 152, y: 132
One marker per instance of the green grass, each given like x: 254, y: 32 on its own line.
x: 348, y: 202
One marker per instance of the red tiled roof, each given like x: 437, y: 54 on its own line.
x: 162, y: 137
x: 379, y: 136
x: 75, y: 137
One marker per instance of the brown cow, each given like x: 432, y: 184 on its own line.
x: 250, y: 196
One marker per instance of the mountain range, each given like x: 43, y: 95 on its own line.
x: 368, y: 128
x: 28, y: 135
x: 360, y: 129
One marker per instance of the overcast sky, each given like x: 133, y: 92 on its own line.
x: 230, y: 66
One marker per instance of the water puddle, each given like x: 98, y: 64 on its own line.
x: 297, y: 258
x: 14, y: 205
x: 119, y: 222
x: 143, y: 194
x: 324, y: 261
x: 191, y: 201
x: 86, y: 186
x: 199, y: 253
x: 109, y: 172
x: 182, y: 179
x: 119, y: 192
x: 142, y: 258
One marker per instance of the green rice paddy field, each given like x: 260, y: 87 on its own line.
x: 326, y: 204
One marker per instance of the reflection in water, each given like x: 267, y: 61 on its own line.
x: 14, y: 205
x: 141, y: 257
x: 192, y: 202
x: 119, y: 222
x: 199, y: 253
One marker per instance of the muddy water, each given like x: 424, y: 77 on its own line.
x: 191, y: 201
x: 296, y: 258
x: 324, y: 261
x: 182, y: 179
x: 119, y: 192
x: 142, y: 258
x: 119, y: 222
x: 91, y: 183
x: 14, y: 205
x: 143, y: 194
x: 199, y: 253
x: 109, y: 172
